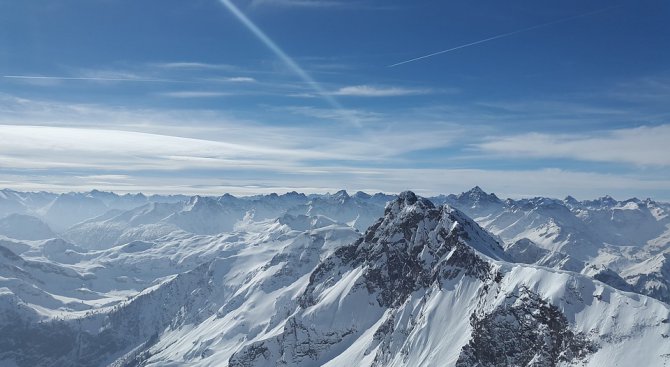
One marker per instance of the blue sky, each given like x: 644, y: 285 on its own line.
x: 184, y: 96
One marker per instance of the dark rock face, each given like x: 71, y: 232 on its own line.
x: 610, y: 277
x: 525, y: 331
x: 250, y: 354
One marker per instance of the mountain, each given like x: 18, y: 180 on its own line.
x: 117, y: 227
x: 211, y: 215
x: 359, y: 211
x: 25, y: 227
x: 296, y: 280
x: 133, y: 293
x: 426, y: 286
x: 68, y: 209
x: 201, y: 215
x: 11, y: 203
x: 615, y: 237
x: 651, y: 277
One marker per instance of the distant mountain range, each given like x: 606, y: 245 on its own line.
x: 100, y: 279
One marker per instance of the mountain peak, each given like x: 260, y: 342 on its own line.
x: 294, y: 194
x: 570, y: 200
x: 362, y: 195
x: 408, y: 199
x: 476, y: 195
x: 410, y: 247
x: 477, y: 189
x: 608, y: 200
x: 342, y: 194
x: 198, y: 202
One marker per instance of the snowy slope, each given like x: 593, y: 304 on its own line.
x: 209, y: 215
x: 359, y: 211
x: 153, y: 275
x: 116, y: 227
x: 25, y: 227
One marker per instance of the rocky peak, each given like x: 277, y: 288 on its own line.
x: 407, y: 201
x: 340, y: 196
x: 228, y: 199
x: 294, y: 195
x: 412, y: 246
x: 571, y: 201
x: 362, y: 195
x: 198, y: 202
x: 477, y: 196
x: 604, y: 202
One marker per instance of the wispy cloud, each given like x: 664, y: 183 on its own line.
x: 298, y: 3
x: 640, y: 146
x: 373, y: 91
x: 141, y: 149
x: 195, y: 94
x: 342, y: 115
x: 241, y: 79
x: 378, y: 140
x: 42, y: 147
x: 194, y: 66
x: 321, y: 4
x: 84, y: 78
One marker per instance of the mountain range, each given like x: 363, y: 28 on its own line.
x: 100, y: 279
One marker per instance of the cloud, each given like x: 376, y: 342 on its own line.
x: 642, y: 146
x: 44, y: 147
x: 59, y: 146
x: 323, y: 4
x: 194, y: 66
x: 195, y: 94
x: 301, y: 3
x: 33, y: 78
x: 372, y: 91
x: 241, y: 79
x: 342, y: 115
x: 52, y: 135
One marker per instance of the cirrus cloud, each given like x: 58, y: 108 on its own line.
x: 373, y: 91
x: 644, y: 146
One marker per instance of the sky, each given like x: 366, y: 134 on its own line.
x: 522, y: 98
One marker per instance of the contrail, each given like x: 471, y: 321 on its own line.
x: 285, y: 58
x: 40, y: 77
x: 523, y: 30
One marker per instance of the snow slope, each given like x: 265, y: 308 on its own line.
x: 25, y: 227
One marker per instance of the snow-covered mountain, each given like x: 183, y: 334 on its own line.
x: 428, y: 286
x: 25, y: 227
x: 359, y: 211
x: 298, y: 280
x: 211, y: 215
x: 619, y: 238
